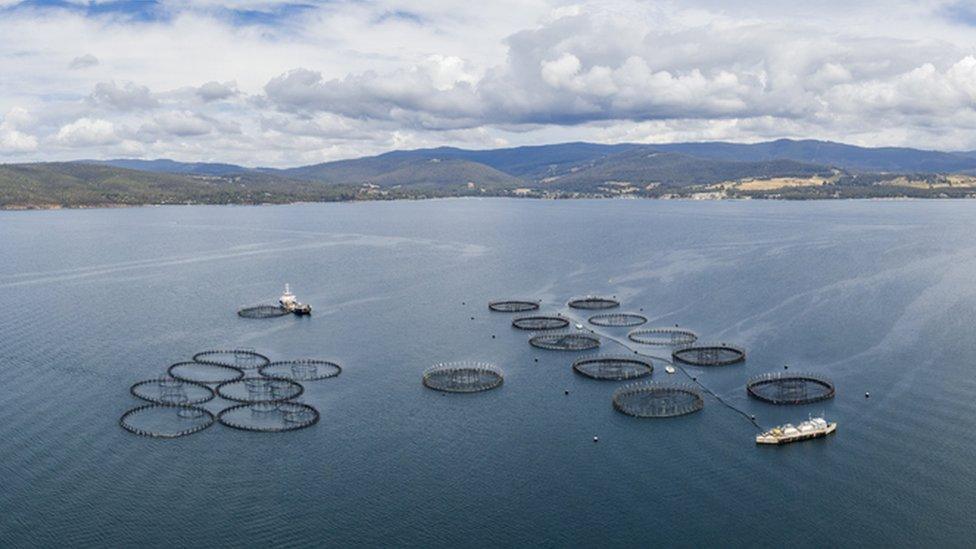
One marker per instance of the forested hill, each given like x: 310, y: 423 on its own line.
x: 70, y: 184
x: 777, y: 169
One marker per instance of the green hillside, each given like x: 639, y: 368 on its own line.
x: 70, y: 184
x: 406, y: 171
x: 642, y: 167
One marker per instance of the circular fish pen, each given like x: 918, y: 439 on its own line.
x: 198, y: 372
x: 540, y: 323
x: 790, y: 388
x: 665, y: 337
x: 657, y: 400
x: 565, y: 341
x: 513, y: 306
x: 269, y: 418
x: 306, y: 369
x: 169, y: 390
x: 242, y: 359
x: 618, y: 320
x: 166, y: 420
x: 615, y: 368
x: 463, y: 377
x: 720, y: 354
x: 260, y: 390
x: 592, y: 302
x: 262, y: 311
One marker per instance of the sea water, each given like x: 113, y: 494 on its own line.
x: 878, y: 296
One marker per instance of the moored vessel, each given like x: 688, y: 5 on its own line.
x: 290, y: 303
x: 812, y: 428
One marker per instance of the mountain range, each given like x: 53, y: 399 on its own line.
x: 806, y: 168
x: 537, y: 163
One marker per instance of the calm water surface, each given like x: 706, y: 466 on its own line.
x: 880, y: 296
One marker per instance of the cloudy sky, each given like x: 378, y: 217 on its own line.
x: 261, y: 82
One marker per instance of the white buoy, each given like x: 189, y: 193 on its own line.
x: 596, y: 439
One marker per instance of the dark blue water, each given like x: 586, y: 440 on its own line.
x: 880, y: 296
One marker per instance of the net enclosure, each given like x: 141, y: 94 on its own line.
x: 204, y: 373
x: 243, y: 359
x: 593, y: 302
x: 262, y: 311
x: 618, y: 320
x: 720, y: 354
x: 169, y: 390
x: 260, y: 390
x: 166, y: 420
x: 540, y: 323
x: 306, y: 369
x: 269, y: 418
x: 790, y: 388
x: 513, y: 306
x: 570, y: 341
x: 614, y: 368
x: 463, y: 377
x: 667, y: 337
x: 657, y: 400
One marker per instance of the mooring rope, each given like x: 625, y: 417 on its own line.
x: 694, y: 379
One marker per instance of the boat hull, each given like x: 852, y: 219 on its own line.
x: 762, y: 439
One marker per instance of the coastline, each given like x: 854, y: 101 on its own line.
x: 56, y: 207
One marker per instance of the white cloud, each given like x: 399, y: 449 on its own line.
x: 559, y: 73
x: 411, y: 97
x: 12, y: 139
x: 17, y: 118
x: 125, y: 97
x: 445, y: 72
x: 595, y: 65
x: 83, y: 62
x: 346, y: 78
x: 181, y: 124
x: 88, y: 132
x: 215, y: 91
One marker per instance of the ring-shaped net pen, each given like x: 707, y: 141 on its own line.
x: 463, y: 377
x: 657, y: 400
x: 305, y: 369
x: 568, y: 341
x: 513, y: 306
x: 593, y: 302
x: 269, y: 418
x: 720, y: 354
x: 242, y: 359
x: 539, y: 323
x: 790, y: 388
x: 260, y: 390
x: 169, y: 390
x: 665, y: 337
x: 204, y: 373
x: 618, y: 320
x: 613, y: 368
x: 262, y: 311
x: 166, y: 420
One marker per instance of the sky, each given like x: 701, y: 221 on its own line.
x: 269, y: 83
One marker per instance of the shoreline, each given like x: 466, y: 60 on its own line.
x: 57, y: 207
